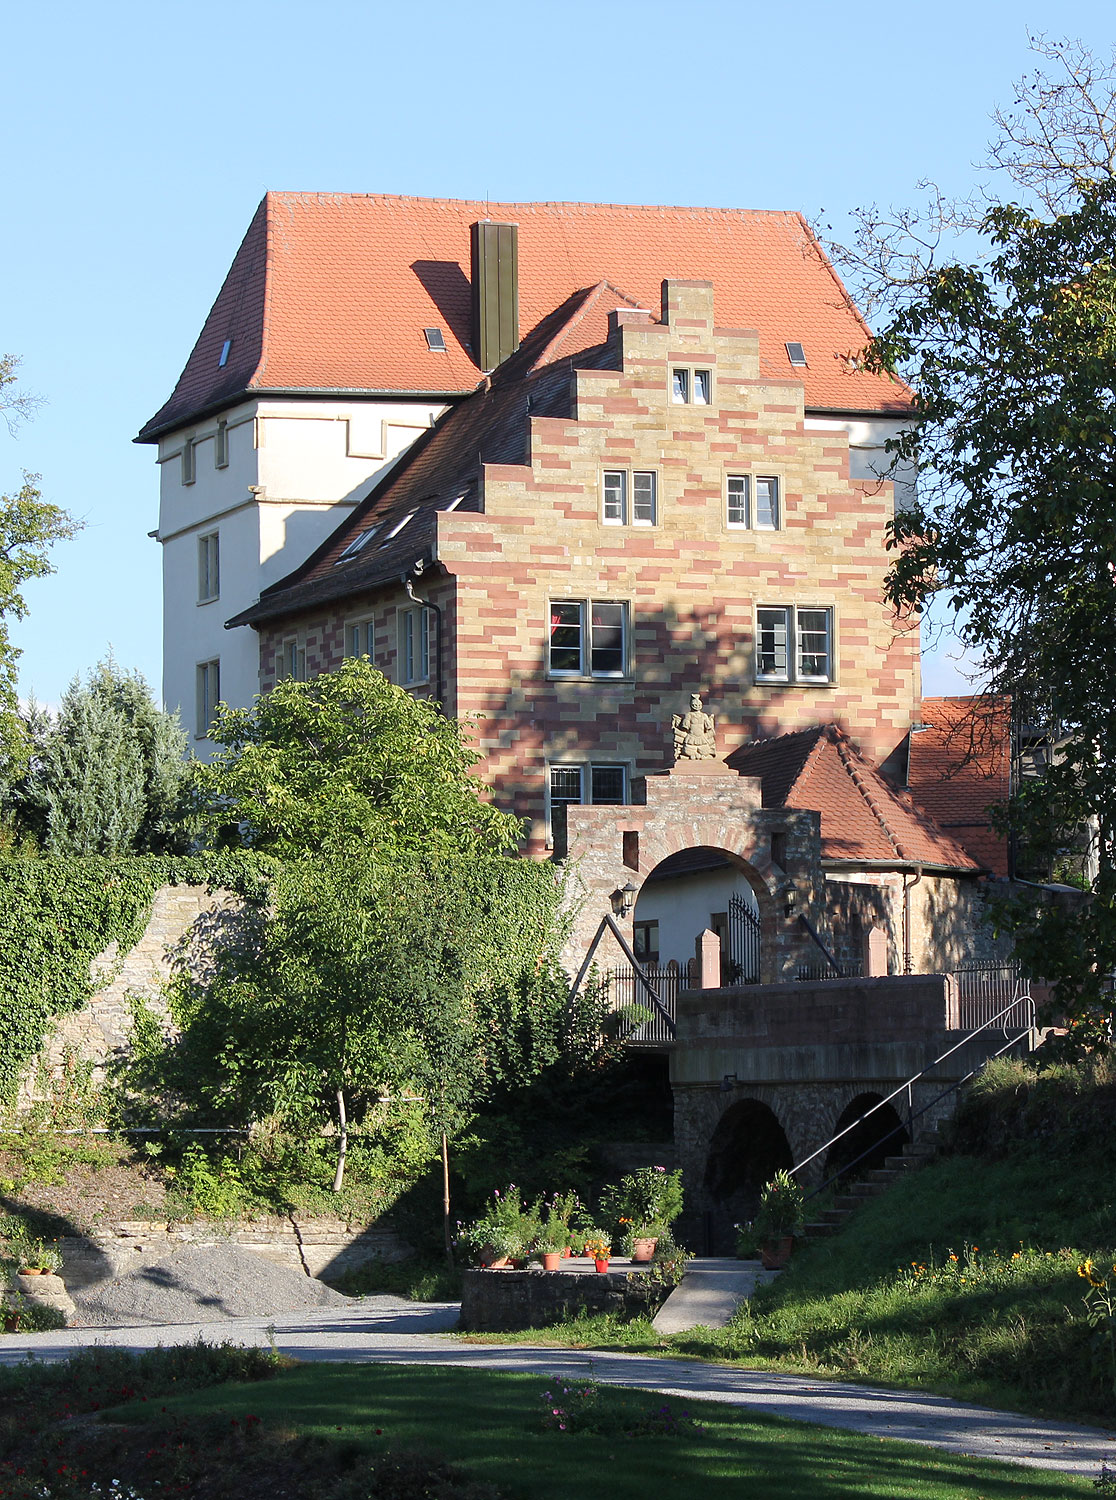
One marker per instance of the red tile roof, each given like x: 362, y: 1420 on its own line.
x: 960, y: 766
x: 443, y: 465
x: 331, y: 292
x: 863, y: 817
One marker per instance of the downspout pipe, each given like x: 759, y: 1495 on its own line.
x: 907, y: 889
x: 436, y: 610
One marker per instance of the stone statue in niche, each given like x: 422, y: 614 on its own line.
x: 695, y: 736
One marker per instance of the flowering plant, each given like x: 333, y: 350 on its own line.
x: 506, y: 1227
x: 598, y: 1244
x: 646, y: 1202
x: 781, y: 1210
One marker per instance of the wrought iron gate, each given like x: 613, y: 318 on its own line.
x: 740, y: 961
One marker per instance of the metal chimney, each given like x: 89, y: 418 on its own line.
x: 495, y: 279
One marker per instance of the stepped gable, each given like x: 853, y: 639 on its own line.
x: 863, y: 817
x: 329, y: 293
x: 442, y: 467
x: 959, y: 766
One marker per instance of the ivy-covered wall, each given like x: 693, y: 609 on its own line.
x: 60, y: 914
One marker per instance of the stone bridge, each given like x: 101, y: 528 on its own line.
x: 763, y: 1075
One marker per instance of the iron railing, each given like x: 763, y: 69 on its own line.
x: 988, y: 990
x: 625, y: 989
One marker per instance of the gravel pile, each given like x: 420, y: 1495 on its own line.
x: 202, y: 1285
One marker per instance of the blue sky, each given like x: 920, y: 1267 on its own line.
x: 141, y: 137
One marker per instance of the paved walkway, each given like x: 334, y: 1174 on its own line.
x: 709, y: 1293
x: 387, y: 1329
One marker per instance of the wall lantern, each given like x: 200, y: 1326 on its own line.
x: 790, y: 900
x: 623, y: 899
x: 728, y: 1082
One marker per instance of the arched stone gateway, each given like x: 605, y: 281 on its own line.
x: 746, y: 1150
x: 701, y: 806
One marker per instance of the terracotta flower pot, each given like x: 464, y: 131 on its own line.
x: 551, y: 1260
x: 31, y: 1271
x: 643, y: 1249
x: 498, y: 1263
x: 776, y: 1252
x: 601, y: 1264
x: 12, y: 1321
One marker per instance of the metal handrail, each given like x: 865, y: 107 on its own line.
x: 608, y: 925
x: 987, y: 1025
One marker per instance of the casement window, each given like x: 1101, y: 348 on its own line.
x: 600, y: 784
x: 414, y: 646
x: 752, y: 502
x: 221, y: 446
x: 360, y: 638
x: 794, y: 643
x: 691, y: 387
x: 209, y: 567
x: 292, y: 660
x: 588, y: 638
x: 189, y: 461
x: 208, y: 696
x: 629, y: 498
x: 645, y: 942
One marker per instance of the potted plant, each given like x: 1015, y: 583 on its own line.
x: 598, y: 1245
x: 14, y: 1306
x: 645, y: 1205
x: 502, y: 1231
x: 780, y: 1218
x: 551, y: 1238
x: 38, y: 1259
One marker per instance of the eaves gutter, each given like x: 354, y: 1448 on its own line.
x: 289, y: 603
x: 897, y: 865
x: 150, y: 434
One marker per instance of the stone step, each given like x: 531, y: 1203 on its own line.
x: 896, y: 1163
x: 821, y: 1230
x: 884, y: 1175
x: 867, y: 1189
x: 844, y: 1201
x: 833, y: 1215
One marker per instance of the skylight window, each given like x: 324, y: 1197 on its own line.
x: 456, y: 501
x: 796, y: 354
x: 358, y: 543
x: 224, y: 359
x: 435, y: 340
x: 397, y: 528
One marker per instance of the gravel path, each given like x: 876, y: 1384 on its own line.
x: 378, y: 1329
x: 211, y: 1282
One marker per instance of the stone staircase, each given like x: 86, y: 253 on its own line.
x: 872, y: 1184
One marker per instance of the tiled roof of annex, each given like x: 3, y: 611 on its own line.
x: 442, y: 467
x: 331, y: 293
x: 960, y: 765
x: 863, y: 818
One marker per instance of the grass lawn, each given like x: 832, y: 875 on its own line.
x: 492, y: 1427
x: 1004, y: 1324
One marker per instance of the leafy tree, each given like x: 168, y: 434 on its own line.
x: 1010, y: 353
x: 28, y: 527
x: 345, y: 761
x: 400, y: 955
x: 109, y: 777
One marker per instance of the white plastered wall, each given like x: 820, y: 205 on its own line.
x: 868, y: 458
x: 684, y: 904
x: 295, y: 469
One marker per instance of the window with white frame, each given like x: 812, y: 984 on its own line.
x: 221, y: 446
x: 794, y: 643
x: 189, y: 460
x: 629, y: 498
x: 588, y: 638
x: 601, y: 784
x: 360, y: 638
x: 208, y: 696
x: 209, y: 567
x: 689, y: 387
x: 414, y: 646
x: 292, y: 659
x: 752, y: 502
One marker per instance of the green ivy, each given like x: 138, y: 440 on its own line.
x: 59, y: 914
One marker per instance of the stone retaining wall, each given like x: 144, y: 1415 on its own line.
x: 505, y: 1301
